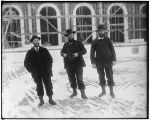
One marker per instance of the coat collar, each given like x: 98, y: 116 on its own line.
x: 72, y: 42
x: 99, y: 38
x: 33, y: 48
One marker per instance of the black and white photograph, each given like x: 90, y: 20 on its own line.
x: 74, y: 59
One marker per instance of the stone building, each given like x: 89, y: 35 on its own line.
x: 126, y: 22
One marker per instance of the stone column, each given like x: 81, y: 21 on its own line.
x: 29, y: 20
x: 100, y: 12
x: 67, y: 22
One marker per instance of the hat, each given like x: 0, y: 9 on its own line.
x: 100, y: 27
x: 33, y: 37
x: 69, y: 31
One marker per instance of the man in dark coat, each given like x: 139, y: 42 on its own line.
x: 72, y: 52
x: 38, y: 62
x: 103, y: 56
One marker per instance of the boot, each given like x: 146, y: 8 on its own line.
x: 103, y: 91
x: 112, y: 92
x: 51, y: 101
x: 74, y: 93
x: 83, y: 95
x: 41, y: 100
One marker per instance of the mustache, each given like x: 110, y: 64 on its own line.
x: 36, y: 45
x: 101, y: 34
x: 71, y: 39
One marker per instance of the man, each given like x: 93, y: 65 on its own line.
x: 103, y: 56
x: 72, y: 52
x: 38, y: 62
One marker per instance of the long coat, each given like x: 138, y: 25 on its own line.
x: 77, y: 47
x: 102, y: 52
x: 38, y: 63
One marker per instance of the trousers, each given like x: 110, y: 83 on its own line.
x: 75, y: 76
x: 46, y: 80
x: 102, y: 70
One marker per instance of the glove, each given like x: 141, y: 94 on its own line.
x: 75, y: 54
x: 94, y: 65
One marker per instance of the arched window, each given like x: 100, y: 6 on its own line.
x: 11, y: 24
x: 116, y: 24
x: 84, y: 22
x: 84, y: 27
x: 48, y: 32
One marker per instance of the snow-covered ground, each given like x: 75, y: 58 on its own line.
x: 19, y: 99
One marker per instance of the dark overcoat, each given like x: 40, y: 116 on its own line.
x: 77, y: 47
x: 102, y: 52
x: 38, y: 63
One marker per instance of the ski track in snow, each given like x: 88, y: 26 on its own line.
x: 20, y: 100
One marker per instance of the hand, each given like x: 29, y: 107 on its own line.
x: 113, y: 62
x: 75, y: 54
x: 94, y: 65
x: 65, y: 55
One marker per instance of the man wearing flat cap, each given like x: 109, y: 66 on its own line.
x: 38, y: 62
x: 72, y: 52
x: 103, y: 56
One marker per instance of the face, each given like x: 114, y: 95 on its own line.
x: 101, y: 33
x: 36, y: 42
x: 71, y: 37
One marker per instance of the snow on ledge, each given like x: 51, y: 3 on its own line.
x: 137, y: 40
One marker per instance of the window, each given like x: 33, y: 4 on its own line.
x: 116, y: 24
x: 11, y: 24
x: 83, y: 24
x: 49, y: 33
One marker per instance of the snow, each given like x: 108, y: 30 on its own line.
x: 19, y: 98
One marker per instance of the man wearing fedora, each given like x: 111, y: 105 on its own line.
x: 72, y: 52
x: 38, y: 62
x: 103, y: 56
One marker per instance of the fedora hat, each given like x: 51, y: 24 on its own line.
x: 68, y: 32
x: 33, y: 37
x: 100, y: 27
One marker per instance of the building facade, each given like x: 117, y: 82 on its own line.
x: 125, y: 21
